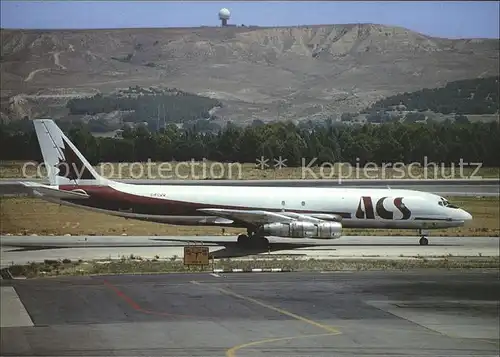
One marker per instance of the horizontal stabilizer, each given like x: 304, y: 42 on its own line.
x: 54, y: 192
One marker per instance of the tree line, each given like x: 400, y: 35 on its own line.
x: 469, y: 96
x: 151, y: 106
x: 389, y: 142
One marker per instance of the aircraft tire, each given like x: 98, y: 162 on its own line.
x: 424, y: 241
x: 259, y: 241
x: 243, y: 239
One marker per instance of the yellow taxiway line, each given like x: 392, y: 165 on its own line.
x: 331, y: 331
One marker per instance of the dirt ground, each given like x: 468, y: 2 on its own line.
x: 258, y: 72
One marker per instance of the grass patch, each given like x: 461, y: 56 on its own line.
x: 249, y: 171
x: 25, y: 216
x: 51, y: 268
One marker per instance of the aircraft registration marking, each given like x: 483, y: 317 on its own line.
x: 158, y: 195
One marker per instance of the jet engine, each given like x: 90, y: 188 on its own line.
x: 300, y: 229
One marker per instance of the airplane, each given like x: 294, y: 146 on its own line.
x: 290, y: 212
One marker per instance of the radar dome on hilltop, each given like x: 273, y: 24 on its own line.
x: 224, y: 15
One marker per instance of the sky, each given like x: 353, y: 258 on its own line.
x: 466, y: 19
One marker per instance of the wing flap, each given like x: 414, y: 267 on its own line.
x: 256, y: 218
x: 302, y: 217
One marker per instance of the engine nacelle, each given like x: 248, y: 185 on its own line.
x: 301, y: 229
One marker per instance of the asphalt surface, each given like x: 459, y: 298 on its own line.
x: 451, y: 187
x: 419, y: 313
x: 22, y: 250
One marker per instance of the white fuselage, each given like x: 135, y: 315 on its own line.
x: 357, y: 207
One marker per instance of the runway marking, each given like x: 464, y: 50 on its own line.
x: 230, y: 353
x: 14, y: 313
x: 134, y: 305
x: 391, y: 307
x: 270, y: 307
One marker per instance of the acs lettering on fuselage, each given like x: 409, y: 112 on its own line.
x: 365, y: 209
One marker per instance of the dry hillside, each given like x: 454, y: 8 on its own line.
x: 256, y: 72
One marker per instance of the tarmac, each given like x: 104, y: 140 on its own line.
x: 417, y: 313
x: 25, y: 249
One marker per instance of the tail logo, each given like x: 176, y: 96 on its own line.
x: 70, y: 166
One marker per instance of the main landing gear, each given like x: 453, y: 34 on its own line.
x: 252, y: 240
x: 423, y: 238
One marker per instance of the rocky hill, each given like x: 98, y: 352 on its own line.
x: 265, y: 73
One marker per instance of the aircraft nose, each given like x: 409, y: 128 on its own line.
x: 464, y: 215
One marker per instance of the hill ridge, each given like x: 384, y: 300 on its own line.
x: 258, y: 72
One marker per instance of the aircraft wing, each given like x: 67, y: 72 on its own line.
x: 250, y: 217
x: 257, y: 218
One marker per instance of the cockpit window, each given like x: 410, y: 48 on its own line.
x: 446, y: 203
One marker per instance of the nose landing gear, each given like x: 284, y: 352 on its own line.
x: 423, y: 237
x: 423, y: 241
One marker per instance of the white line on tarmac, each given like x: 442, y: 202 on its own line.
x: 13, y: 313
